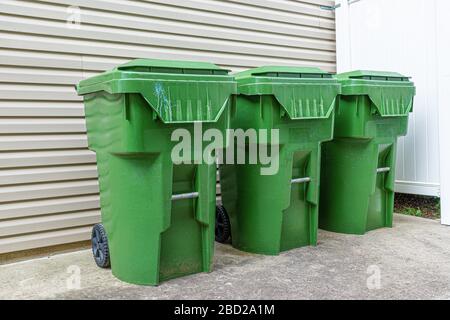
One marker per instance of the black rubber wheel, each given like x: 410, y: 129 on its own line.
x: 100, y: 248
x: 223, y: 226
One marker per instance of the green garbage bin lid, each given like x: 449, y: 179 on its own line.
x: 178, y: 91
x: 284, y: 72
x: 140, y: 68
x: 391, y: 93
x: 303, y: 93
x: 172, y: 66
x: 373, y: 75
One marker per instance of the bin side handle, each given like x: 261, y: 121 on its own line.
x: 383, y: 170
x: 183, y: 196
x: 300, y: 180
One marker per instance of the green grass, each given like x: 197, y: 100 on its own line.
x: 416, y: 212
x: 418, y: 206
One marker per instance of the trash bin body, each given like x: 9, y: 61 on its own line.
x: 158, y: 215
x: 275, y: 212
x: 358, y: 166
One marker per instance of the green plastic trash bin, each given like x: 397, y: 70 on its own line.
x: 278, y: 212
x: 358, y: 166
x: 158, y: 216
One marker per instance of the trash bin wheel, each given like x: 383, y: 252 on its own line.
x: 100, y: 248
x: 223, y: 227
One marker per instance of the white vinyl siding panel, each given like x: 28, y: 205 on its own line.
x: 48, y: 177
x: 412, y: 51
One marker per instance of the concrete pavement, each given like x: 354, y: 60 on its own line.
x: 410, y: 261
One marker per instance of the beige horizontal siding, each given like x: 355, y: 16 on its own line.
x: 45, y: 158
x: 46, y: 223
x: 39, y: 109
x: 47, y: 174
x: 33, y: 142
x: 47, y: 190
x: 44, y: 239
x: 48, y: 177
x: 22, y: 209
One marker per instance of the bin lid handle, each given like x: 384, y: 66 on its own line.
x: 284, y: 72
x: 374, y: 75
x: 169, y: 66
